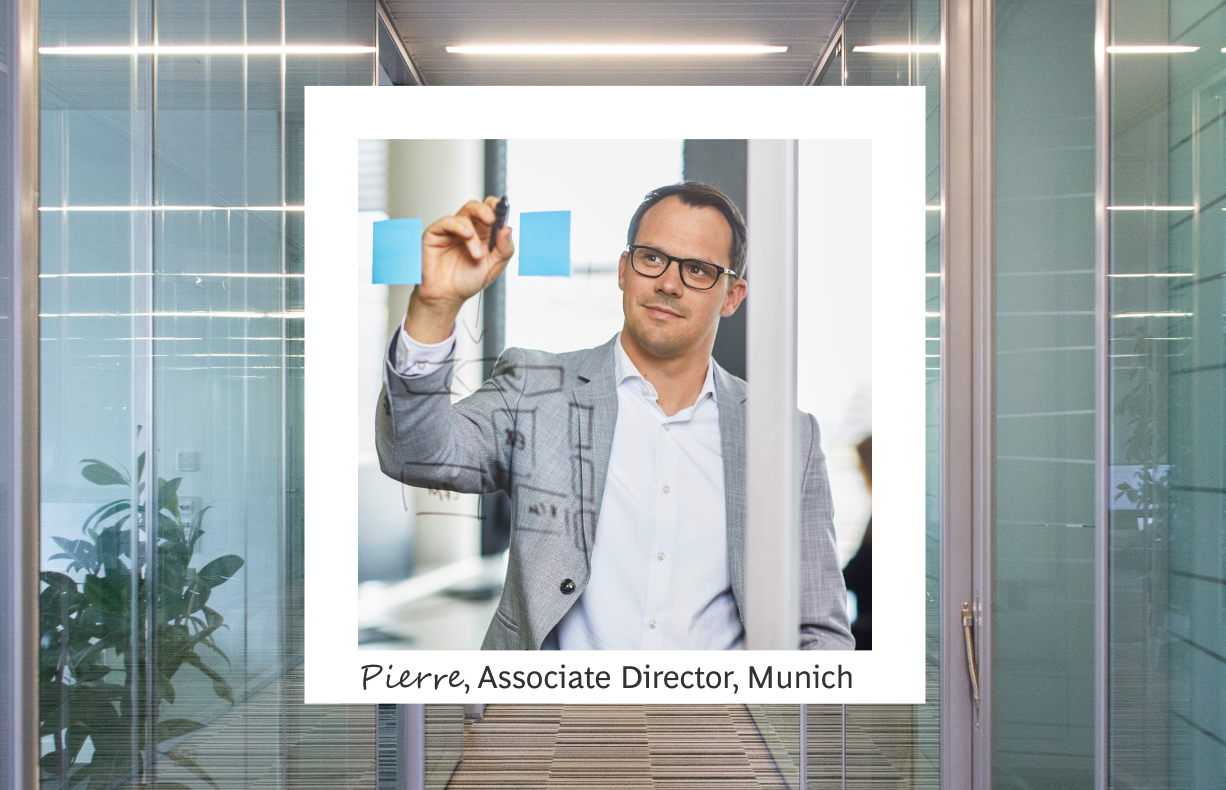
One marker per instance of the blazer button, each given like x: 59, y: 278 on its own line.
x: 567, y: 587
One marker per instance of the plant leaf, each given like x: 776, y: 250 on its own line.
x: 111, y: 509
x: 104, y: 593
x: 102, y: 474
x: 183, y: 760
x: 62, y: 582
x: 220, y: 570
x: 220, y: 687
x: 176, y: 728
x: 81, y: 552
x: 213, y: 618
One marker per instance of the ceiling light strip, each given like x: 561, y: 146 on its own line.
x: 1150, y: 49
x: 248, y: 275
x: 1156, y: 274
x: 221, y: 314
x: 899, y: 49
x: 172, y: 208
x: 615, y: 49
x: 1151, y: 208
x: 209, y: 49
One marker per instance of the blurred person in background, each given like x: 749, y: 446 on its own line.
x: 858, y: 575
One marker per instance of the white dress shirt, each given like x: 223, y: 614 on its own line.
x: 659, y: 574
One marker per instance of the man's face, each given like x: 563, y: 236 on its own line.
x: 665, y: 317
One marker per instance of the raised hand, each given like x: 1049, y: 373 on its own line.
x: 456, y: 264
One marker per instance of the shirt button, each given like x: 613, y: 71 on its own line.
x: 666, y: 426
x: 651, y: 623
x: 666, y: 489
x: 660, y: 555
x: 421, y: 364
x: 646, y: 390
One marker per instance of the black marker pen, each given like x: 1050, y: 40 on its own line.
x: 500, y: 219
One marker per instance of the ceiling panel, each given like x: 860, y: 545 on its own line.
x: 427, y: 27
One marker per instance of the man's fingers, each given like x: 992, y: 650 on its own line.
x: 477, y: 248
x: 505, y: 247
x: 481, y: 212
x: 458, y: 226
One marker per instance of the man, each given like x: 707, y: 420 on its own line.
x: 625, y: 463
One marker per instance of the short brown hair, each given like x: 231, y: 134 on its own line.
x: 699, y: 195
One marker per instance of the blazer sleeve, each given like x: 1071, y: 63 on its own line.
x: 823, y: 598
x: 425, y: 441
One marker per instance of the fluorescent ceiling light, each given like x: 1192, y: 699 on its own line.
x: 219, y: 314
x: 1150, y: 49
x: 172, y: 208
x: 220, y: 49
x: 1156, y: 274
x: 1151, y: 315
x: 898, y: 48
x: 615, y: 49
x: 1151, y: 208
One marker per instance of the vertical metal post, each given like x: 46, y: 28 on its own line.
x: 772, y: 536
x: 967, y: 387
x: 410, y: 747
x: 1102, y: 396
x: 843, y: 749
x: 19, y: 487
x: 803, y: 748
x: 141, y: 108
x: 493, y: 298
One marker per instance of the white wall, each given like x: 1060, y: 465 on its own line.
x: 835, y: 319
x: 431, y: 179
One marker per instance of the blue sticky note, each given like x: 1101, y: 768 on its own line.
x: 397, y: 252
x: 544, y: 244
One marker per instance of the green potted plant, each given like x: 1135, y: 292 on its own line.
x: 97, y: 681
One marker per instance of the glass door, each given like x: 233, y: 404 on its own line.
x: 1167, y: 494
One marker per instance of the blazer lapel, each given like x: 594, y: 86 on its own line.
x: 593, y: 407
x: 731, y: 393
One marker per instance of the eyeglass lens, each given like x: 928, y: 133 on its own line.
x: 696, y: 274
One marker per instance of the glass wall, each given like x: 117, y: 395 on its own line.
x: 171, y: 338
x: 1168, y: 403
x: 1043, y: 613
x: 897, y: 743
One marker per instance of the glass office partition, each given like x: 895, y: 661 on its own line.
x: 866, y: 745
x: 171, y: 337
x: 1168, y: 402
x: 1043, y: 613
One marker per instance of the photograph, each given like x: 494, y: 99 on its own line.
x: 557, y: 458
x: 529, y: 431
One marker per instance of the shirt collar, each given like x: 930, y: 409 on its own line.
x: 623, y: 369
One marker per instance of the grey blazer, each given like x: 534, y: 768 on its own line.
x: 541, y: 429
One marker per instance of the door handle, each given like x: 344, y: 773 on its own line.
x: 968, y: 621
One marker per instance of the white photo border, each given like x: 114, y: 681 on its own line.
x: 892, y: 118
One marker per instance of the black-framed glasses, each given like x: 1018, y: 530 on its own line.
x: 696, y: 274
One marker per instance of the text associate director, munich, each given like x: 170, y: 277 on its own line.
x: 626, y: 462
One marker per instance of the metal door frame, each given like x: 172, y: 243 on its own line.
x: 967, y: 390
x: 19, y: 746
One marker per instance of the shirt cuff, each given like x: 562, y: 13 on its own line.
x: 411, y: 359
